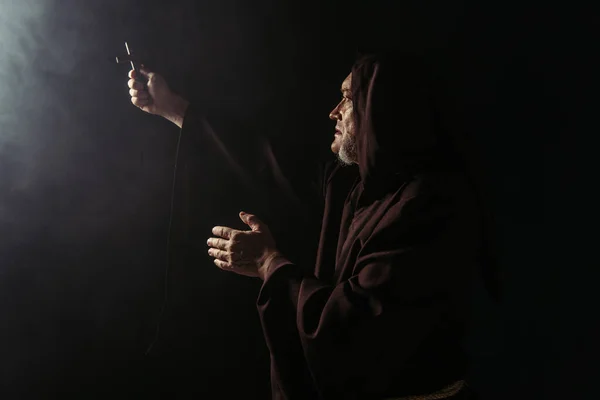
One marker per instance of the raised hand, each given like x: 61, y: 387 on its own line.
x: 155, y: 97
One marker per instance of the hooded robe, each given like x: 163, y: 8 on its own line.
x: 383, y: 310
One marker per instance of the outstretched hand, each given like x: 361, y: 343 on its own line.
x: 246, y: 253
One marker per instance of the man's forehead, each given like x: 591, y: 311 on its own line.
x: 347, y: 82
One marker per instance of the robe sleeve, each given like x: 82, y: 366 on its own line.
x: 400, y: 283
x: 265, y: 170
x: 241, y: 167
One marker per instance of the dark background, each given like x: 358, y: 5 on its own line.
x: 85, y: 183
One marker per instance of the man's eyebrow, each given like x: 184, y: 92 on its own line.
x: 345, y: 90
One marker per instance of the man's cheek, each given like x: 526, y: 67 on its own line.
x: 350, y: 128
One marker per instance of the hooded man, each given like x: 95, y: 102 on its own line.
x: 382, y: 313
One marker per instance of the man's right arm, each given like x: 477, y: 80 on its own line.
x: 232, y: 158
x: 217, y: 139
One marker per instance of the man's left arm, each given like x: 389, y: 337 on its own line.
x: 423, y: 251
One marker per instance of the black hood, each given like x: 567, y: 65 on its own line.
x: 401, y: 114
x: 396, y: 117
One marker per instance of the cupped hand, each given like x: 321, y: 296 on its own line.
x: 246, y: 253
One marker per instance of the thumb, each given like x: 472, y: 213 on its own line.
x: 253, y: 222
x: 146, y: 73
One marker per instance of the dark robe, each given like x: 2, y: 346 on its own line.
x: 382, y: 313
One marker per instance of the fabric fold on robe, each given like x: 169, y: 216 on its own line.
x: 390, y: 324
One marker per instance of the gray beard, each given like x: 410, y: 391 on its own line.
x: 347, y: 154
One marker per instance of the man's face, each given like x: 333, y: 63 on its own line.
x: 344, y: 143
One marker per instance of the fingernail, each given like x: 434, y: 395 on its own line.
x: 208, y: 242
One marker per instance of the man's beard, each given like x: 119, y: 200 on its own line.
x: 348, y: 154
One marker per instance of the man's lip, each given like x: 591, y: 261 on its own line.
x: 337, y: 132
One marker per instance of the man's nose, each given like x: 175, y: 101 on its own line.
x: 335, y: 113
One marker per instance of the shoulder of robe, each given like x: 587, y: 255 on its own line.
x: 442, y: 183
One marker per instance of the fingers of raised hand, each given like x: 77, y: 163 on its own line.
x: 139, y: 102
x: 133, y: 84
x: 140, y: 94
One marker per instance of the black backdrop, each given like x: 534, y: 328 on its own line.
x: 85, y: 183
